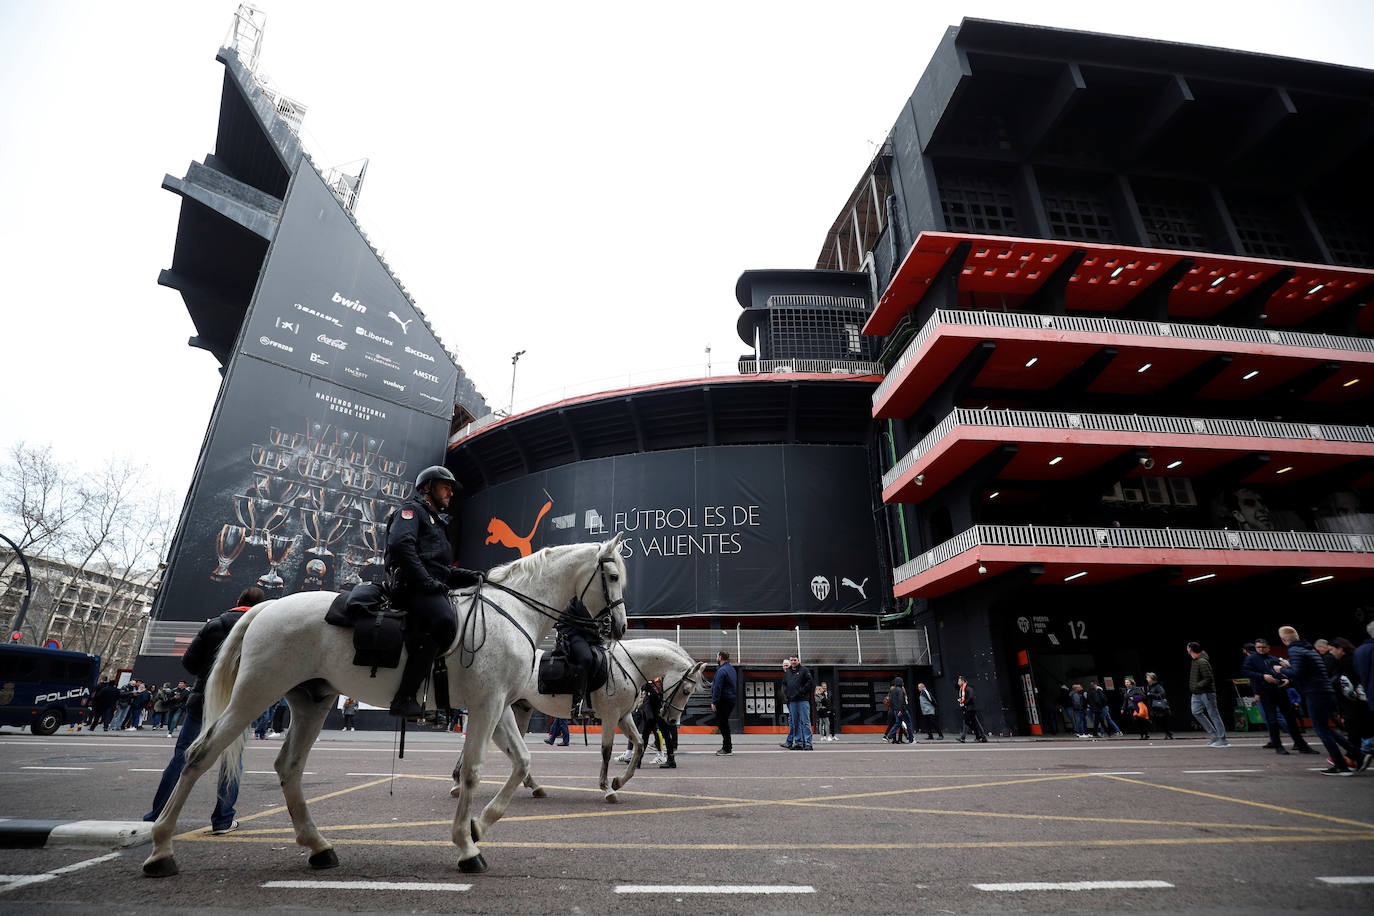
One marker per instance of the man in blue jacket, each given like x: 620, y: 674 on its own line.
x: 1364, y: 669
x: 1307, y: 671
x: 723, y: 691
x: 1270, y: 690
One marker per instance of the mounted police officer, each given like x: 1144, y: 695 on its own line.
x: 577, y: 632
x: 419, y: 560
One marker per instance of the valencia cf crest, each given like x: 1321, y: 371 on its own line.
x: 407, y: 514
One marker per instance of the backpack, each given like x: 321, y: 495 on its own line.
x: 1141, y: 711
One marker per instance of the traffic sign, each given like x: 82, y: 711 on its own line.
x: 52, y: 644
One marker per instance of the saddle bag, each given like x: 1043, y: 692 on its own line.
x: 378, y: 630
x: 555, y: 674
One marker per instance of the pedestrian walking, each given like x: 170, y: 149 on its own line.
x: 198, y: 659
x: 1135, y: 708
x: 1352, y: 702
x: 1159, y: 704
x: 1364, y: 669
x: 901, y: 712
x: 1202, y: 687
x: 1308, y: 672
x: 1078, y: 707
x: 723, y: 688
x: 558, y: 728
x: 969, y: 706
x: 930, y: 712
x: 1102, y: 716
x: 1270, y: 690
x: 177, y: 706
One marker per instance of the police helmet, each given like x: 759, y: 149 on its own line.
x: 431, y: 474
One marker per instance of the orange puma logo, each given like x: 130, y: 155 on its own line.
x: 499, y: 533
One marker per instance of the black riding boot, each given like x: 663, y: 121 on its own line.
x: 419, y: 659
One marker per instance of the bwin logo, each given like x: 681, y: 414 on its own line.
x: 353, y: 304
x: 405, y: 325
x: 820, y: 587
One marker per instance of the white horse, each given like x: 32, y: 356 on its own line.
x: 285, y: 648
x: 633, y: 663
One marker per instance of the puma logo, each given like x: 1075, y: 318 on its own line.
x: 498, y: 532
x: 857, y: 587
x: 405, y: 325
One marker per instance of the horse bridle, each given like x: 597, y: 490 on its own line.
x: 671, y: 694
x: 602, y: 619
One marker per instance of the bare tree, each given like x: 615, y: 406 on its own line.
x: 38, y: 500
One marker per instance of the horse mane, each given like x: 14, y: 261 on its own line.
x: 524, y: 569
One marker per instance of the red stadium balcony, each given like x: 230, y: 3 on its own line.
x: 1059, y: 445
x: 1081, y: 557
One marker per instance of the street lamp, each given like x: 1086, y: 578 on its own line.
x: 514, y: 361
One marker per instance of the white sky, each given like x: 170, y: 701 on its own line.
x: 582, y: 181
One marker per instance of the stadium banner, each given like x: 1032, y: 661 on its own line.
x: 765, y: 529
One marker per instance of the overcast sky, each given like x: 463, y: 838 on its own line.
x: 583, y: 181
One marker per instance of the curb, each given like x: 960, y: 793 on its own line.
x: 19, y: 833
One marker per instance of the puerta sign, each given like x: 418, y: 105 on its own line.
x: 337, y: 396
x: 327, y: 307
x: 766, y: 529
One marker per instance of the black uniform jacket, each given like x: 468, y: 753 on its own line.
x: 419, y: 557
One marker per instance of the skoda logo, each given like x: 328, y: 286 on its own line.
x: 820, y: 587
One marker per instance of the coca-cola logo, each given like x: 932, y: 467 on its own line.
x: 332, y: 342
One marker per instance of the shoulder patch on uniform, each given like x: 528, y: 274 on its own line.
x: 407, y: 513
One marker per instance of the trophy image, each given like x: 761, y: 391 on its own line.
x: 283, y: 440
x: 271, y: 516
x: 325, y: 527
x: 228, y: 545
x: 397, y: 489
x: 359, y: 481
x: 277, y: 550
x: 392, y: 467
x: 354, y: 558
x: 316, y: 432
x: 314, y: 469
x: 345, y: 438
x: 277, y: 489
x: 245, y: 510
x: 269, y: 459
x: 374, y: 538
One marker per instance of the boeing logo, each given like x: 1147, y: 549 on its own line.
x: 364, y: 332
x: 413, y: 352
x: 332, y: 342
x: 269, y: 342
x: 353, y: 304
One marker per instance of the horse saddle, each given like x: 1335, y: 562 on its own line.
x: 378, y: 628
x: 558, y: 673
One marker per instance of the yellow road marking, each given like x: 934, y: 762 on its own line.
x: 309, y: 801
x: 1245, y: 801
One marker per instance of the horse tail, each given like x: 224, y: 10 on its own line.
x: 219, y: 689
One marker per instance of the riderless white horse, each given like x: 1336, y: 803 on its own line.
x: 285, y: 648
x: 633, y: 663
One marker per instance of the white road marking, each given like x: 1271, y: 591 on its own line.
x: 54, y: 768
x: 714, y: 889
x: 137, y: 770
x: 28, y: 880
x: 1349, y: 879
x: 1120, y: 773
x: 271, y: 773
x: 1073, y: 885
x: 374, y: 774
x: 1221, y: 771
x: 371, y: 885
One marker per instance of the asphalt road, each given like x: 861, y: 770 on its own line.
x: 855, y: 826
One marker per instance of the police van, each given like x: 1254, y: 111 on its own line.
x: 45, y: 688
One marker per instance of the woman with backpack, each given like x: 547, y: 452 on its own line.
x: 1159, y: 703
x: 1135, y: 708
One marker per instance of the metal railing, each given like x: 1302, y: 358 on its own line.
x: 1152, y: 538
x: 805, y: 366
x: 1159, y: 329
x: 1108, y: 422
x: 806, y: 300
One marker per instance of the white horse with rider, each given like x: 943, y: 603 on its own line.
x: 632, y: 663
x: 285, y: 648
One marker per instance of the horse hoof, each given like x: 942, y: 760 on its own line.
x: 612, y: 797
x: 474, y: 866
x: 325, y: 858
x: 540, y: 793
x: 455, y: 791
x: 616, y: 783
x: 161, y: 868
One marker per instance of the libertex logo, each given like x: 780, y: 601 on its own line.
x: 498, y: 532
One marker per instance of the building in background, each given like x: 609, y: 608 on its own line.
x: 1129, y: 355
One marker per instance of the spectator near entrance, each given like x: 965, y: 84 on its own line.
x: 1078, y: 708
x: 1351, y: 699
x: 1270, y: 690
x: 797, y: 687
x: 723, y: 689
x: 930, y: 712
x: 1135, y: 708
x: 1102, y: 716
x: 1307, y: 671
x: 1202, y: 686
x: 824, y: 711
